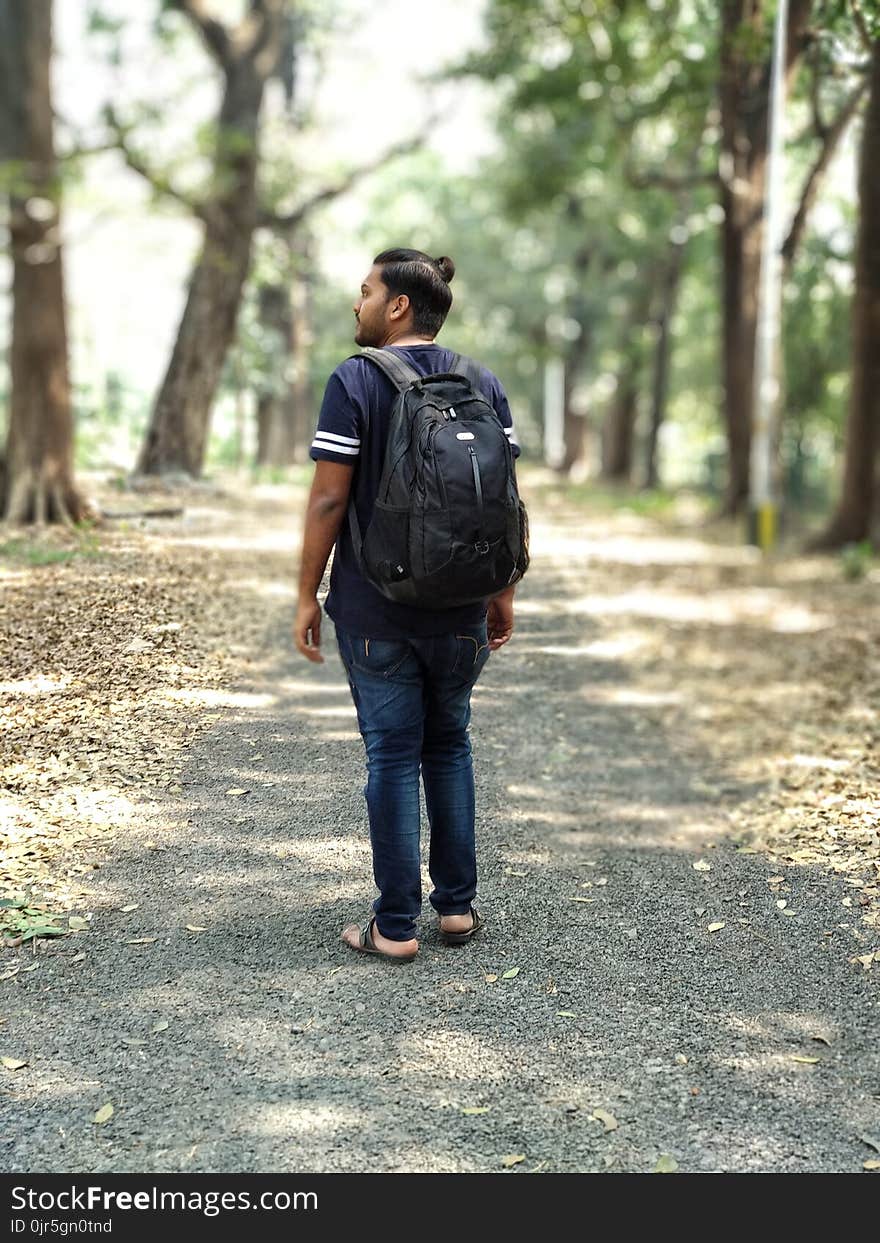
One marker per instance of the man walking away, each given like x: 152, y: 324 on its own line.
x: 411, y: 670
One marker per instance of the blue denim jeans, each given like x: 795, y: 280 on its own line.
x: 413, y: 701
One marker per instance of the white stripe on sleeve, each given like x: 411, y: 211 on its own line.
x: 342, y: 440
x: 329, y: 447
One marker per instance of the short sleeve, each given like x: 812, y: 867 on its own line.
x: 502, y: 409
x: 340, y: 423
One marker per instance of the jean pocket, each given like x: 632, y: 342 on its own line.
x: 382, y: 657
x: 472, y: 652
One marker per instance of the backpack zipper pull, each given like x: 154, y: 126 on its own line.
x: 452, y: 413
x: 478, y: 484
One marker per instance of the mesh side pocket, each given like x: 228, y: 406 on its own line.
x: 386, y: 544
x: 522, y: 560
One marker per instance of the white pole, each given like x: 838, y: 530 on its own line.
x: 762, y: 503
x: 554, y: 412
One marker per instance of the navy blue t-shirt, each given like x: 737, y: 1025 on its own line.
x: 353, y: 429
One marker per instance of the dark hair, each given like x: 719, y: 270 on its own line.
x: 424, y: 280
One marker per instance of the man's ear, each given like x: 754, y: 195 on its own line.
x: 400, y: 306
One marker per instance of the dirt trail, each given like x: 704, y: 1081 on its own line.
x: 636, y: 787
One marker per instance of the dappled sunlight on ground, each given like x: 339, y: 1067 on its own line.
x: 759, y: 608
x: 303, y: 1119
x: 219, y: 699
x: 663, y: 697
x: 36, y: 686
x: 599, y: 649
x: 637, y: 550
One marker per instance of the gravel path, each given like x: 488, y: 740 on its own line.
x: 629, y: 1031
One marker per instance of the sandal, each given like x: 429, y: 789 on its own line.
x: 366, y: 944
x: 459, y: 938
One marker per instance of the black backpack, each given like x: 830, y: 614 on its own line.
x: 448, y: 527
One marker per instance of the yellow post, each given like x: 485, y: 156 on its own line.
x: 766, y: 526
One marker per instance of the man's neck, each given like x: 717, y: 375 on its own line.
x: 407, y: 338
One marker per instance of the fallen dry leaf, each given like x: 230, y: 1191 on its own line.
x: 566, y: 1014
x: 513, y: 1159
x: 236, y: 792
x: 142, y: 941
x: 701, y: 866
x: 510, y: 974
x: 871, y: 1164
x: 716, y: 927
x: 104, y: 1114
x: 473, y: 1110
x: 607, y: 1119
x: 13, y: 1063
x: 490, y: 979
x: 809, y: 1061
x: 666, y: 1164
x: 161, y: 1026
x: 196, y: 928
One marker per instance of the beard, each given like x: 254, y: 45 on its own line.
x: 363, y: 335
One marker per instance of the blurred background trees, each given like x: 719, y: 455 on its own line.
x: 36, y: 483
x: 606, y: 229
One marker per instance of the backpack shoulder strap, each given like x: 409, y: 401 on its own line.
x: 472, y: 372
x: 401, y: 374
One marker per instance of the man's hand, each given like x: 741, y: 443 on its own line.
x: 307, y: 629
x: 325, y: 511
x: 500, y: 619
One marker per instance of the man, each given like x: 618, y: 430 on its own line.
x: 411, y: 671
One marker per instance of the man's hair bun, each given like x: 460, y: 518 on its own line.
x: 445, y: 267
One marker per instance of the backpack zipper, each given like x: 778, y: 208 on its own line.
x: 478, y: 483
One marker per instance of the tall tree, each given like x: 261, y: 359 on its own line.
x: 588, y: 90
x: 246, y: 55
x: 619, y: 427
x: 745, y: 98
x: 860, y: 493
x: 285, y: 414
x: 38, y: 483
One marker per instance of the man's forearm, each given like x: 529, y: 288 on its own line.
x: 324, y: 518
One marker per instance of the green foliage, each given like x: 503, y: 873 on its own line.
x: 110, y: 422
x: 856, y: 559
x: 23, y: 920
x: 35, y: 551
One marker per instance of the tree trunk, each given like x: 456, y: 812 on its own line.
x: 286, y: 404
x: 38, y: 474
x: 301, y: 397
x: 575, y: 354
x: 618, y: 431
x: 745, y: 78
x: 273, y: 431
x: 852, y: 520
x: 662, y: 357
x: 177, y: 435
x: 574, y: 425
